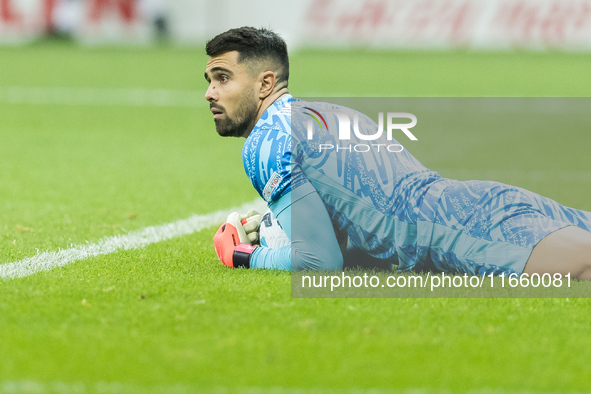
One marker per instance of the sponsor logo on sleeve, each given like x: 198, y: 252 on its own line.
x: 271, y: 185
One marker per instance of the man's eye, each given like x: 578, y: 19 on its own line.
x: 223, y: 78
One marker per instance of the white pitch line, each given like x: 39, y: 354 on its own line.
x: 136, y: 97
x: 32, y: 386
x: 48, y: 260
x: 103, y: 96
x: 133, y: 97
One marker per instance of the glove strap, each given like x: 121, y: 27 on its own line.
x: 242, y: 254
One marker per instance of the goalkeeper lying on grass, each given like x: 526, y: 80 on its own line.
x: 385, y: 204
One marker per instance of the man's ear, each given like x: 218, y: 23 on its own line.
x: 268, y: 80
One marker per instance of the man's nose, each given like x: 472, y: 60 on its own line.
x: 211, y: 94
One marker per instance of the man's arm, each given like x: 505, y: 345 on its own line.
x: 314, y: 245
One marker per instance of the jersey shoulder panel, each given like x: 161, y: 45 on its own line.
x: 266, y: 154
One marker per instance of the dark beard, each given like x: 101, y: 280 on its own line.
x: 239, y: 125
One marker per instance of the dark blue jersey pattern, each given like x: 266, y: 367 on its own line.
x: 385, y: 203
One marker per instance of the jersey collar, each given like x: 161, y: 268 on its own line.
x: 279, y: 104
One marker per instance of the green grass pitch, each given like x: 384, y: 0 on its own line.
x: 170, y: 318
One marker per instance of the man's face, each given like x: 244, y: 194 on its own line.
x: 231, y: 95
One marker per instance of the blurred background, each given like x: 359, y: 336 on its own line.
x: 394, y: 24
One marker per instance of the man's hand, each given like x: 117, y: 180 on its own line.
x: 233, y: 239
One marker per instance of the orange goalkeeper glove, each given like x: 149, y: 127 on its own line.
x: 232, y: 243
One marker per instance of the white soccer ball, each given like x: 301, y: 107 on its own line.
x: 271, y: 234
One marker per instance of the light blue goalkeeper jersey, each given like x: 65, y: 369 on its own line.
x: 385, y: 202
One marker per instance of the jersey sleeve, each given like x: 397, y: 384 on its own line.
x: 314, y: 245
x: 267, y: 162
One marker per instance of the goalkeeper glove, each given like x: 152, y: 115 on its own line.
x: 251, y: 222
x: 233, y: 239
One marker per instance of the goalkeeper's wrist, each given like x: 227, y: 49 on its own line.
x: 242, y: 255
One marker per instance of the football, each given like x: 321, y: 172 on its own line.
x: 271, y: 233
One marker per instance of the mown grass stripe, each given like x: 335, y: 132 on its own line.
x: 49, y: 260
x: 102, y: 96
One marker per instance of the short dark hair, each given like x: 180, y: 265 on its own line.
x: 252, y: 44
